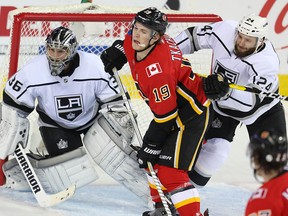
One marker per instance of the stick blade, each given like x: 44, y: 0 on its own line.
x: 48, y: 200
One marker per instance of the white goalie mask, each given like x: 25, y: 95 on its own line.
x: 254, y: 26
x: 61, y: 45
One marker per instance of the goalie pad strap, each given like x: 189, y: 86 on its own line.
x: 13, y: 129
x: 37, y: 161
x: 72, y: 167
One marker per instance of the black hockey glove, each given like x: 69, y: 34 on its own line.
x: 216, y: 86
x: 148, y: 152
x: 114, y: 56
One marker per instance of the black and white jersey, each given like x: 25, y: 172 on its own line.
x: 71, y: 101
x: 258, y: 69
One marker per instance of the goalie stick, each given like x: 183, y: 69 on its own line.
x: 156, y: 180
x: 43, y: 199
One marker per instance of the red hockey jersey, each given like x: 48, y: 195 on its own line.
x: 167, y: 83
x: 271, y: 199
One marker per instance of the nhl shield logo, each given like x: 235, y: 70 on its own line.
x: 69, y: 107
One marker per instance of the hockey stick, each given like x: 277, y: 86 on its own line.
x: 43, y: 199
x: 258, y: 91
x: 163, y: 198
x: 255, y: 90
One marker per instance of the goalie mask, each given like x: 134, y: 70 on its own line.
x: 254, y: 26
x: 268, y: 150
x: 61, y: 46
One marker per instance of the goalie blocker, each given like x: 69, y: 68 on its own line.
x: 13, y: 128
x: 108, y: 143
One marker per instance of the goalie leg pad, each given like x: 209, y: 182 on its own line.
x: 13, y: 130
x: 116, y: 160
x: 55, y: 174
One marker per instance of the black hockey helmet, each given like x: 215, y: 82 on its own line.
x: 153, y: 18
x: 268, y: 149
x: 61, y: 38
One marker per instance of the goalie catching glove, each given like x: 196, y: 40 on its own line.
x: 216, y: 86
x: 114, y: 56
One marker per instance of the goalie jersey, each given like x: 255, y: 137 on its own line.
x: 257, y: 70
x: 71, y: 102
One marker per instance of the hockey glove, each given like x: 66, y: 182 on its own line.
x: 216, y: 86
x: 148, y: 152
x: 114, y: 56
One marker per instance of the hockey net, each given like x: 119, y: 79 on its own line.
x: 96, y: 28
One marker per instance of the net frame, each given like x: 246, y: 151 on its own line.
x: 78, y: 17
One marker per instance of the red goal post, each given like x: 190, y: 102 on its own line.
x: 96, y: 28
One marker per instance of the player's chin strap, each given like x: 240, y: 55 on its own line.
x: 139, y: 137
x: 43, y: 199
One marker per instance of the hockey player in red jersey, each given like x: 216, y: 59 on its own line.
x: 178, y: 101
x: 242, y: 52
x: 268, y: 153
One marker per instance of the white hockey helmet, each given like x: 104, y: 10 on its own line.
x: 254, y: 26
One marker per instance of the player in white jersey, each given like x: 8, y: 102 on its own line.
x: 243, y: 53
x: 70, y: 88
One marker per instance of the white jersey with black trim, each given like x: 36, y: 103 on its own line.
x: 258, y: 69
x: 70, y: 101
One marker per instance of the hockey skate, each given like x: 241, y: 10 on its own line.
x: 160, y: 211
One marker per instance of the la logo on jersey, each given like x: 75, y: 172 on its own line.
x: 69, y: 107
x: 153, y: 69
x: 231, y: 75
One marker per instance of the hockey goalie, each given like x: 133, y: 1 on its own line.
x: 76, y: 101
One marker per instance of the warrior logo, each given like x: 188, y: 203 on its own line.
x: 69, y: 107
